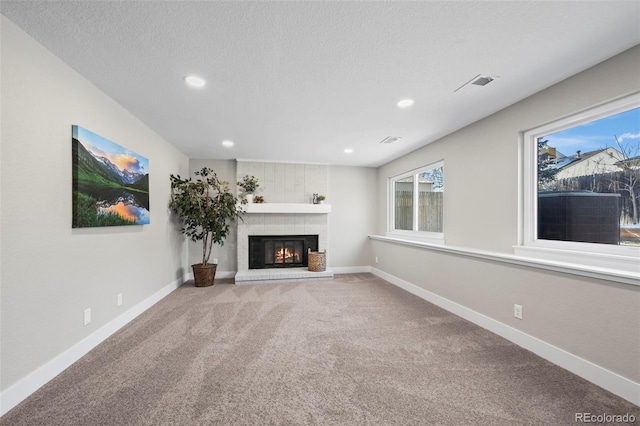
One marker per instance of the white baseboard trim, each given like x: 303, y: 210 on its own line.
x: 16, y: 393
x: 350, y: 269
x: 336, y: 270
x: 600, y: 376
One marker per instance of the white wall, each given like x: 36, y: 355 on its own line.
x: 594, y: 319
x: 51, y: 272
x: 286, y: 182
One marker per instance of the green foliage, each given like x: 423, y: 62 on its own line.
x: 206, y: 206
x: 88, y: 171
x: 321, y: 197
x: 249, y: 184
x: 86, y: 213
x: 141, y: 185
x: 84, y: 208
x: 91, y: 176
x: 90, y: 179
x: 546, y: 173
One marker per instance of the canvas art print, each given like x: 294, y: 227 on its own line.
x: 110, y: 183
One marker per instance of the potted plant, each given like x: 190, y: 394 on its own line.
x: 249, y: 185
x: 321, y: 199
x: 205, y: 206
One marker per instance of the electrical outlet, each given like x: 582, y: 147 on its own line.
x: 87, y: 316
x: 376, y: 259
x: 215, y: 260
x: 119, y: 299
x: 517, y: 311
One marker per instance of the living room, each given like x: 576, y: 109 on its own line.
x: 582, y: 317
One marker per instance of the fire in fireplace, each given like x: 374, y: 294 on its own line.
x: 285, y: 254
x: 280, y: 251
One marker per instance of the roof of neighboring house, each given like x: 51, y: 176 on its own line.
x: 564, y: 161
x: 633, y: 162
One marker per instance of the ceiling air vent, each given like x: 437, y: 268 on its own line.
x: 482, y: 81
x: 478, y: 80
x: 390, y: 139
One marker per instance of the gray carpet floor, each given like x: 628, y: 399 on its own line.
x: 354, y: 350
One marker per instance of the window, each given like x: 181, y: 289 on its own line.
x: 582, y: 184
x: 416, y: 204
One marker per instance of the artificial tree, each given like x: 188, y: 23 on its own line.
x: 206, y: 207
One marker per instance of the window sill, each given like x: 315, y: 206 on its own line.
x: 428, y: 238
x: 581, y: 258
x: 603, y: 273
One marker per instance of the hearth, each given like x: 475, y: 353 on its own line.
x: 280, y: 251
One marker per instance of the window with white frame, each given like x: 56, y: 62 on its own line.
x: 582, y: 187
x: 416, y: 203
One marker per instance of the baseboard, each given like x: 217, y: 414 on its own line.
x: 600, y: 376
x: 350, y: 269
x: 16, y: 393
x: 336, y: 270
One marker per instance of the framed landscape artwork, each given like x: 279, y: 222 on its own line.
x: 110, y: 182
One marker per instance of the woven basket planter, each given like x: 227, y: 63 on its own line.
x: 317, y: 261
x: 204, y: 275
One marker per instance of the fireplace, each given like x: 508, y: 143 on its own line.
x: 280, y: 251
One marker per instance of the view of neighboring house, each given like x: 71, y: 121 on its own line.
x: 588, y: 163
x: 629, y: 163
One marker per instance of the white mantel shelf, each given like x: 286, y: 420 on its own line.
x: 292, y: 208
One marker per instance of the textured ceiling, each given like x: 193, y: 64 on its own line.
x: 302, y: 81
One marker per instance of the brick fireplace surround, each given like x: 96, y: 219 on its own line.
x: 288, y: 190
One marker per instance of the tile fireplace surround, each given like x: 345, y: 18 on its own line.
x: 287, y: 190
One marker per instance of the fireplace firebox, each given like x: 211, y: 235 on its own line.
x: 280, y: 251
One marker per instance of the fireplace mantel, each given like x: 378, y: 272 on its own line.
x: 288, y: 189
x: 284, y: 208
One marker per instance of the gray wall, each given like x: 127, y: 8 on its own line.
x: 596, y: 320
x: 353, y: 215
x: 50, y: 272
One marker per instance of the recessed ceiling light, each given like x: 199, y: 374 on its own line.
x: 228, y: 144
x: 405, y: 103
x: 195, y: 81
x: 348, y: 151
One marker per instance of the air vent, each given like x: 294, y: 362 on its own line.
x: 478, y: 80
x: 390, y: 139
x: 482, y: 81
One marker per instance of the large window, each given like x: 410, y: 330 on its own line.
x: 416, y: 203
x: 582, y: 181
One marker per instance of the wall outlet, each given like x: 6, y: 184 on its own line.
x: 215, y: 261
x: 517, y: 311
x: 87, y: 316
x: 376, y: 259
x: 119, y: 299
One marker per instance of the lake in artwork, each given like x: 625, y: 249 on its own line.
x: 110, y: 183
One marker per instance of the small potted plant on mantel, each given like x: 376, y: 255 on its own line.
x: 249, y: 185
x: 206, y: 206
